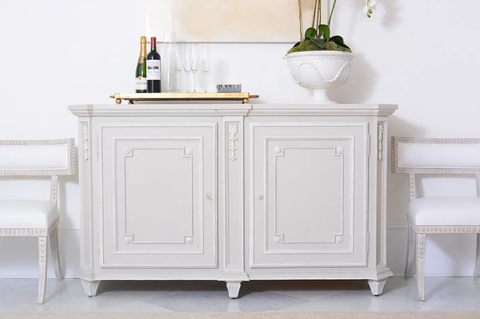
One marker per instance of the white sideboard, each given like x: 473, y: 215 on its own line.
x: 233, y: 192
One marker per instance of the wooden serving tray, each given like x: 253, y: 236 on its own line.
x: 131, y: 97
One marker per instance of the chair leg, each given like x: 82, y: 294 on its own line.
x: 55, y: 253
x: 476, y: 273
x: 420, y: 243
x: 410, y: 252
x: 42, y: 267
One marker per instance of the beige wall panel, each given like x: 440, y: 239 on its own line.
x: 229, y: 20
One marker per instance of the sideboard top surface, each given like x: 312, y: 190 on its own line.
x: 184, y: 109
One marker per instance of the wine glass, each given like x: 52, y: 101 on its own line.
x: 205, y: 62
x: 177, y: 64
x: 193, y: 54
x: 167, y: 61
x: 186, y: 66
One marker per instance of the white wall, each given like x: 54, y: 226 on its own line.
x: 421, y: 56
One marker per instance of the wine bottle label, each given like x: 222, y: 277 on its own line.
x: 141, y: 59
x: 140, y: 83
x: 153, y: 69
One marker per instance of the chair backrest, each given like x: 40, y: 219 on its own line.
x: 414, y: 155
x: 435, y: 155
x: 38, y: 158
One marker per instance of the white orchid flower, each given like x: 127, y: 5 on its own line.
x: 370, y: 5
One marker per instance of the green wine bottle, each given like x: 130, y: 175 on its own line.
x: 141, y: 72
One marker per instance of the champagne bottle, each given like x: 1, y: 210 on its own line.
x: 141, y: 72
x: 153, y: 68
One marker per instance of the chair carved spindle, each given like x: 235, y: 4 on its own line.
x: 54, y: 190
x: 413, y: 187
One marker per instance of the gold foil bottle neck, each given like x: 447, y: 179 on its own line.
x: 143, y: 49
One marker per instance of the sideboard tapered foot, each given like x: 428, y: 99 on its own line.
x: 233, y: 288
x: 90, y: 287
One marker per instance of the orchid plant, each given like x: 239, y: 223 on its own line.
x: 317, y: 37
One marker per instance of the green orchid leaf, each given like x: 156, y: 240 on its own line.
x: 337, y: 39
x: 324, y: 30
x: 296, y: 44
x: 310, y: 32
x: 321, y: 43
x: 344, y: 45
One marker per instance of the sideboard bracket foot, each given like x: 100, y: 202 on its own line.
x: 90, y: 287
x: 233, y: 288
x: 376, y: 286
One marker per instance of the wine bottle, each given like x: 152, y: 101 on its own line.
x: 153, y: 68
x: 141, y: 71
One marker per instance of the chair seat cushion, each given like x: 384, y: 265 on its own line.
x: 455, y: 211
x: 27, y: 213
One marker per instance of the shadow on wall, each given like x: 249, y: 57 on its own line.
x: 363, y: 79
x: 390, y: 9
x: 391, y: 17
x: 360, y: 84
x: 64, y: 196
x: 398, y: 194
x: 65, y: 218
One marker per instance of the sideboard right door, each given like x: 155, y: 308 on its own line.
x: 307, y: 200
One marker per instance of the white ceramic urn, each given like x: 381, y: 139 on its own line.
x: 319, y: 71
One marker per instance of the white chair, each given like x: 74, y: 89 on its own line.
x: 37, y: 218
x: 437, y: 215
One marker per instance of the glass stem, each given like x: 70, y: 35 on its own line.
x: 206, y: 81
x: 178, y: 82
x: 194, y: 83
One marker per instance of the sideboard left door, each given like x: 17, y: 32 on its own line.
x: 158, y: 195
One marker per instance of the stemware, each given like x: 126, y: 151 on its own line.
x: 193, y: 54
x: 177, y: 64
x: 205, y: 58
x: 167, y: 61
x: 186, y: 66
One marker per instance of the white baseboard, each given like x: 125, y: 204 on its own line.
x: 31, y: 276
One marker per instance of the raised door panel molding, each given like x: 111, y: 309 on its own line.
x: 159, y: 196
x: 303, y: 179
x: 308, y: 197
x: 156, y: 194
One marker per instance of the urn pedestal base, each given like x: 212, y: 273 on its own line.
x: 319, y: 71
